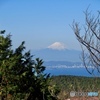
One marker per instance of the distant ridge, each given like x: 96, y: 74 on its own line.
x: 58, y: 63
x: 58, y: 55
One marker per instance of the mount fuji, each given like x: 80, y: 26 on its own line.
x: 49, y: 54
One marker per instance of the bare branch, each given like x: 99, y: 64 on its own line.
x: 90, y: 40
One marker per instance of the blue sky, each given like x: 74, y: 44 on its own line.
x: 41, y: 23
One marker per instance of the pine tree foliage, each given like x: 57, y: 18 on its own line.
x: 21, y: 77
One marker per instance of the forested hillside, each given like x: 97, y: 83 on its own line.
x: 66, y: 84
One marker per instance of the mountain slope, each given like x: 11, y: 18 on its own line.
x: 58, y: 55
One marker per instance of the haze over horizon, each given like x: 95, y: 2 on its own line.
x: 44, y: 23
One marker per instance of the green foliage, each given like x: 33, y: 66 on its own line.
x: 67, y: 84
x: 21, y: 77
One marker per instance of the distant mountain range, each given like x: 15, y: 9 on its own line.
x: 58, y: 55
x: 61, y: 63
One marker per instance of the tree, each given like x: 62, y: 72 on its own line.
x: 21, y: 77
x: 89, y: 38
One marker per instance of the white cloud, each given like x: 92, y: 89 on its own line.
x: 57, y: 46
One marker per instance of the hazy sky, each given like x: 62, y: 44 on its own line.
x: 41, y: 23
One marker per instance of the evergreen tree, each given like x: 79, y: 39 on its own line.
x: 21, y: 77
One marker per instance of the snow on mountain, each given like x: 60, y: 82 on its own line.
x: 57, y: 46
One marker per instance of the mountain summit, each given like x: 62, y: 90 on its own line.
x: 57, y: 46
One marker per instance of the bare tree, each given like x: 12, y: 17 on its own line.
x: 89, y: 38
